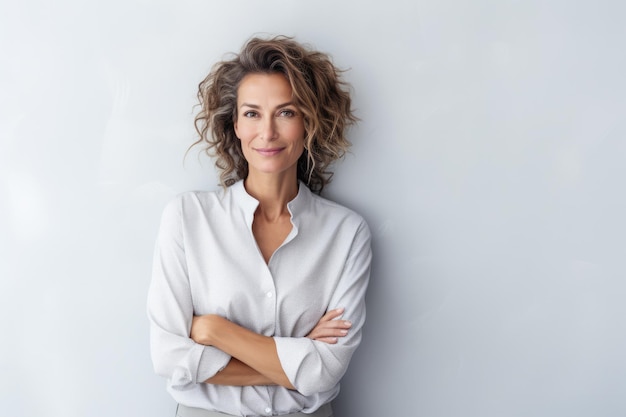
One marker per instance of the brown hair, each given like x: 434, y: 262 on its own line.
x: 318, y: 91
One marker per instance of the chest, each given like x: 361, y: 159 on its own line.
x: 269, y: 236
x: 285, y: 296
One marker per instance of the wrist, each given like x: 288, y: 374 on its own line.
x: 212, y: 329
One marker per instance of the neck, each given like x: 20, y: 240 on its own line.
x: 273, y: 193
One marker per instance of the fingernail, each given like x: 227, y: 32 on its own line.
x: 344, y: 332
x: 347, y: 323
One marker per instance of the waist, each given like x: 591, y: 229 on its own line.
x: 184, y: 411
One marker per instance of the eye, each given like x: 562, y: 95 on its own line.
x: 250, y: 113
x: 287, y: 113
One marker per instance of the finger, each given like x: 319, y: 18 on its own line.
x: 334, y: 324
x: 328, y: 332
x: 332, y: 314
x: 329, y: 340
x: 333, y: 332
x: 330, y: 328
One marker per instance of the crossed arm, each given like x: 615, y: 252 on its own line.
x: 254, y: 357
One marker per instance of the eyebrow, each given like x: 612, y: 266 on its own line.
x: 255, y: 106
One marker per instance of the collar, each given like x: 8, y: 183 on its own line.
x: 249, y: 204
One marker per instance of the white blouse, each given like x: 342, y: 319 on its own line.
x: 207, y: 262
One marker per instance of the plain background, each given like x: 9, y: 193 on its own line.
x: 489, y: 163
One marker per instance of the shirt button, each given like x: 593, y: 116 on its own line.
x: 269, y: 295
x: 268, y: 410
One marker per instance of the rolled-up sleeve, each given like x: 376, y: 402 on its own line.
x: 313, y: 366
x: 170, y: 311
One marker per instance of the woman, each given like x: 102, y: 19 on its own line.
x: 257, y: 298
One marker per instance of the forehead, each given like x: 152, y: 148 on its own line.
x: 264, y: 87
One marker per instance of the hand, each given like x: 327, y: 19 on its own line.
x: 329, y: 328
x: 202, y: 327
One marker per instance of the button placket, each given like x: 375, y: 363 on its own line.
x: 269, y: 300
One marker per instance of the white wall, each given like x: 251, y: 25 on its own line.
x: 489, y: 163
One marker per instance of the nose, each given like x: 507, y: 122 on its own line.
x: 268, y: 129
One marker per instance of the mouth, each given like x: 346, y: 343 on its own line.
x: 269, y: 151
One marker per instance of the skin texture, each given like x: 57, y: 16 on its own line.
x: 271, y: 130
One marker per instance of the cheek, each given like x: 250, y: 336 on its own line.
x: 296, y: 132
x: 302, y: 137
x: 243, y: 131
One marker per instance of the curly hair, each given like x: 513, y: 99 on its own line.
x: 318, y: 91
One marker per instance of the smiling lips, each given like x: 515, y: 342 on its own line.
x: 269, y: 151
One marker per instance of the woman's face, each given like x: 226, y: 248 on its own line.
x: 269, y: 125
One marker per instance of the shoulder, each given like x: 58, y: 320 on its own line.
x: 191, y: 202
x: 334, y: 212
x: 324, y: 204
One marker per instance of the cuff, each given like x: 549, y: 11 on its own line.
x: 205, y: 360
